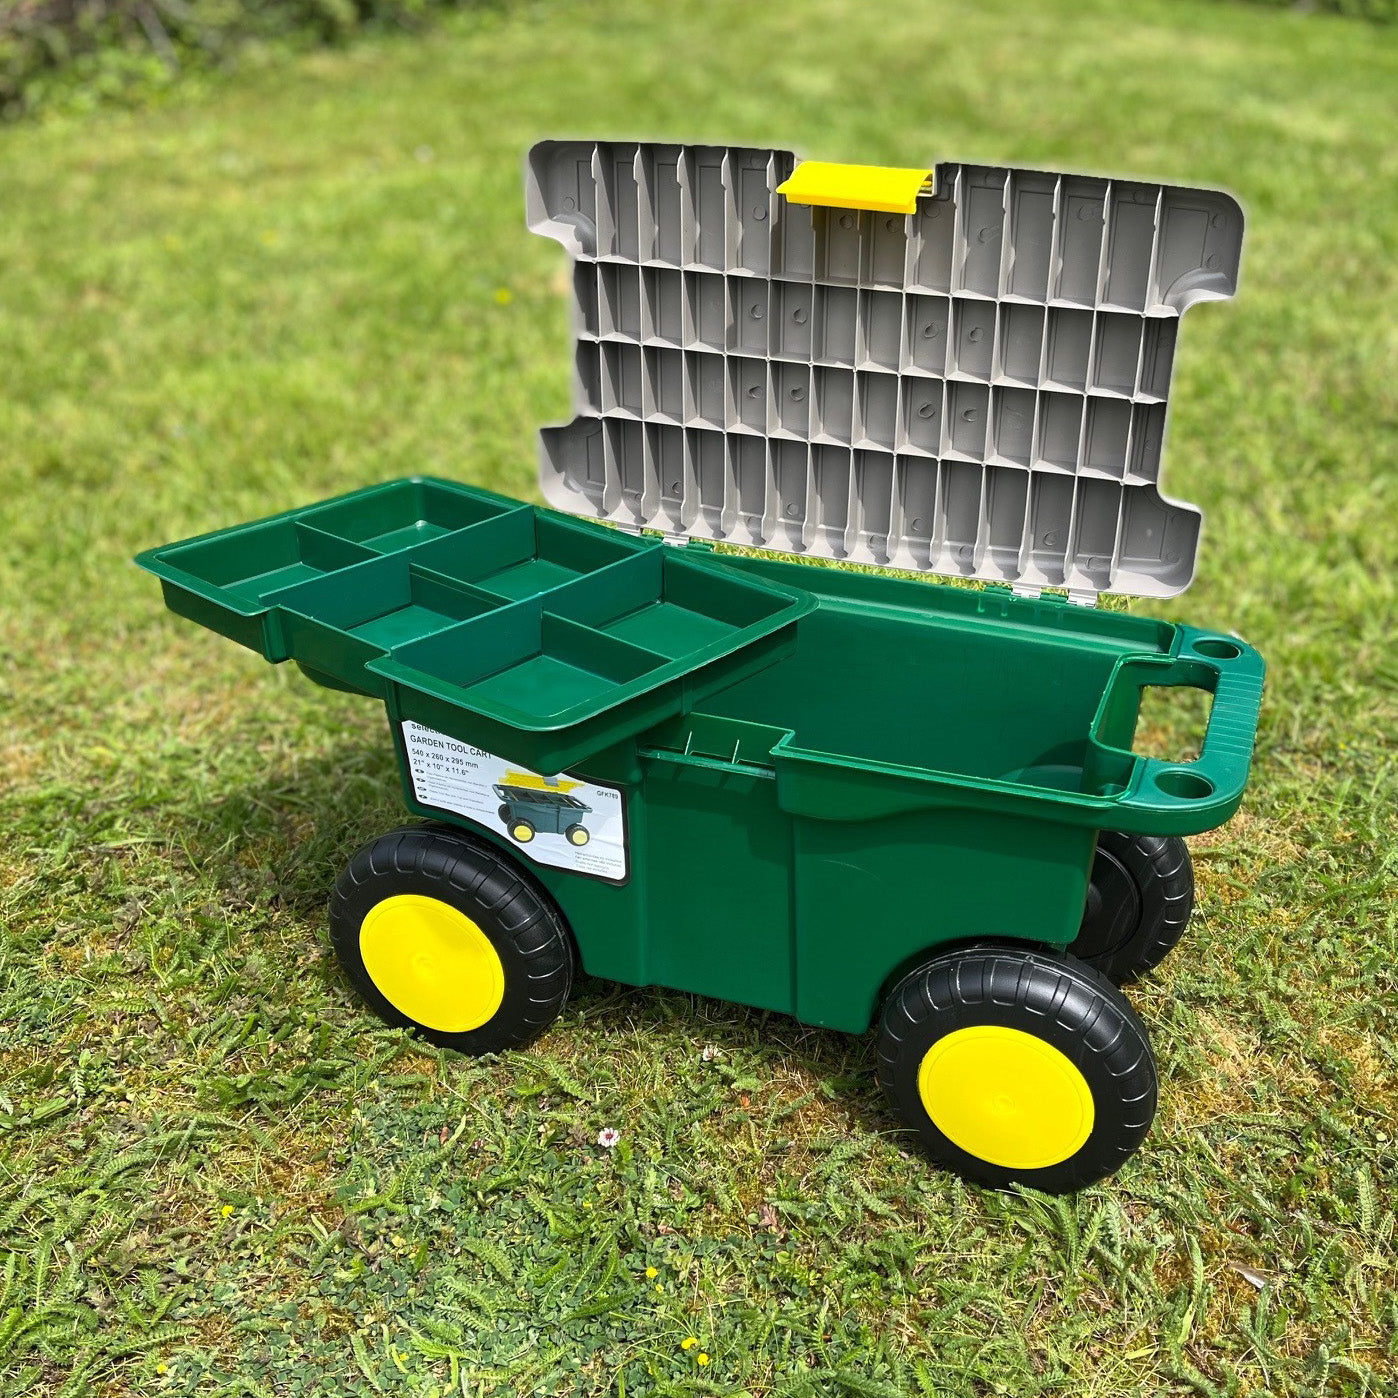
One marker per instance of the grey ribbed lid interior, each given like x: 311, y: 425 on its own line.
x: 977, y: 389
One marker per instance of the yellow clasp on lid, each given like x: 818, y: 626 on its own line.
x: 883, y: 188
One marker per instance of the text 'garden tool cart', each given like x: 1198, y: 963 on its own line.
x: 824, y: 790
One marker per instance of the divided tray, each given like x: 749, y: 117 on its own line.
x: 539, y: 637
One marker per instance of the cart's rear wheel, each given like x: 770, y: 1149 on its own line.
x: 1139, y: 901
x: 504, y: 815
x: 443, y: 935
x: 522, y: 831
x: 577, y: 835
x: 1016, y: 1066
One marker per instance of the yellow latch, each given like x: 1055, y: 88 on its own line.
x: 879, y: 187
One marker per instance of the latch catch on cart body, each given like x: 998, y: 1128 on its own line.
x: 666, y: 536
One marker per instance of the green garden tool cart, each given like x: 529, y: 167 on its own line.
x: 527, y: 810
x: 699, y: 723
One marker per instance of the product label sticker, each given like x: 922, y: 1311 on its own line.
x: 559, y: 821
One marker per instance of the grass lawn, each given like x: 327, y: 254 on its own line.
x: 218, y: 1175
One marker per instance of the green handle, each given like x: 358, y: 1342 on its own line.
x: 1225, y: 667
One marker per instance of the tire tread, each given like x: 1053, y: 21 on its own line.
x: 1094, y: 1026
x: 538, y: 942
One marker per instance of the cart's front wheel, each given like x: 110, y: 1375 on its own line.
x: 522, y: 831
x: 441, y: 934
x: 577, y: 835
x: 1139, y: 901
x: 1016, y: 1066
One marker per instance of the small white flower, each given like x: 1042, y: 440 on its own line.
x: 607, y: 1137
x: 709, y: 1053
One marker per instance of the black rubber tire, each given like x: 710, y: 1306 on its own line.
x: 522, y: 922
x: 1053, y: 997
x: 504, y: 815
x: 582, y: 830
x: 1139, y: 903
x: 521, y: 824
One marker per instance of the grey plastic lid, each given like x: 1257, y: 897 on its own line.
x: 975, y: 389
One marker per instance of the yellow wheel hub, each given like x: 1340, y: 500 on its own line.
x: 431, y: 962
x: 523, y: 833
x: 1006, y: 1097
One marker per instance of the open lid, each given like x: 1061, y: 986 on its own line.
x: 962, y: 371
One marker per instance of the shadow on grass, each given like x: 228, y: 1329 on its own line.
x: 279, y: 840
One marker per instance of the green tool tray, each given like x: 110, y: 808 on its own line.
x: 516, y: 629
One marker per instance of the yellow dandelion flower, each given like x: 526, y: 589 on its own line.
x: 659, y: 1286
x: 688, y: 1342
x: 702, y: 1358
x: 652, y: 1273
x: 227, y: 1210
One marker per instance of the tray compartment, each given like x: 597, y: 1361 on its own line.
x: 528, y: 684
x: 526, y: 553
x: 669, y: 605
x: 529, y: 662
x: 221, y: 581
x: 386, y: 601
x: 335, y: 625
x: 405, y: 513
x: 249, y: 564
